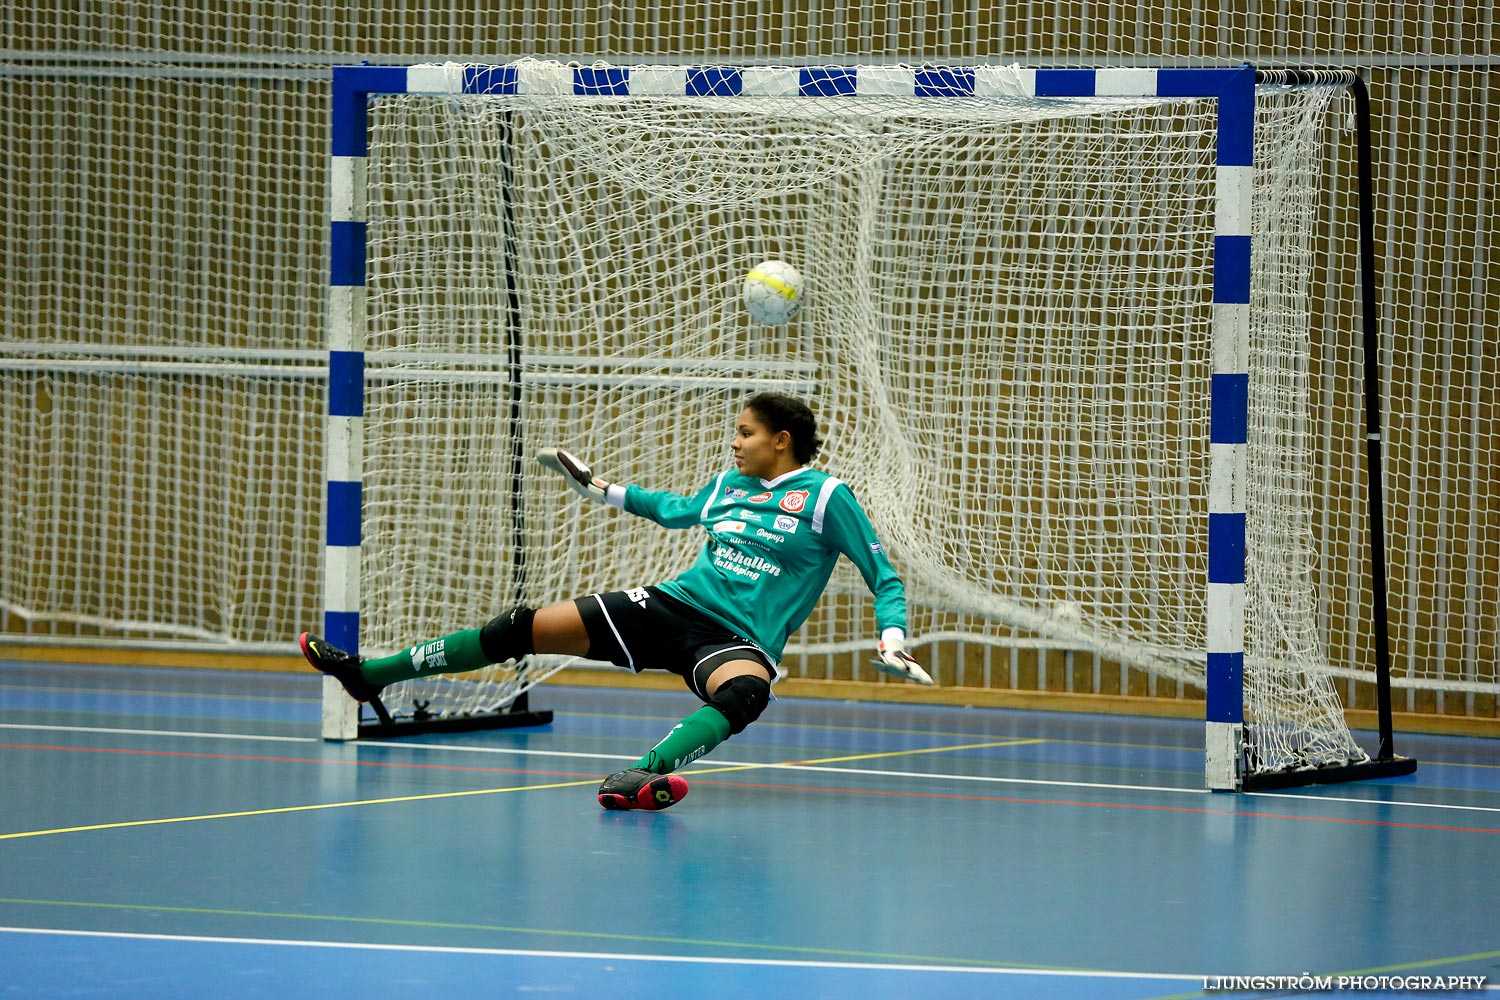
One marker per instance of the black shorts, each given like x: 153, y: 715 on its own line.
x: 644, y: 628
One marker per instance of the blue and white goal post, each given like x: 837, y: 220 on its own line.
x: 1232, y: 88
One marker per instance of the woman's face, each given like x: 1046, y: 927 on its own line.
x: 757, y: 451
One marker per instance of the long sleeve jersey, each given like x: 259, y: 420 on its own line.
x: 771, y: 548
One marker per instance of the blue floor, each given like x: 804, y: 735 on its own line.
x: 179, y: 833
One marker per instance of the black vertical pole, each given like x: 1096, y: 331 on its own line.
x: 513, y: 356
x: 521, y: 704
x: 1370, y: 317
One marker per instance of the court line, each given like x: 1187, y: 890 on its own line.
x: 816, y: 767
x: 254, y: 737
x: 162, y: 821
x: 1375, y: 802
x: 730, y: 765
x: 1139, y: 807
x: 262, y: 758
x: 447, y: 926
x: 720, y: 764
x: 1134, y: 788
x: 241, y: 814
x: 609, y: 956
x: 589, y: 780
x: 314, y: 807
x: 764, y: 724
x: 267, y: 759
x: 909, y: 753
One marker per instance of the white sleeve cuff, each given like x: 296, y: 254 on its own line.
x: 614, y: 495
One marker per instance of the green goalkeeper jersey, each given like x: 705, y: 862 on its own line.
x: 771, y: 547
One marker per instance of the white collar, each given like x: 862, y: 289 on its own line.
x: 772, y: 483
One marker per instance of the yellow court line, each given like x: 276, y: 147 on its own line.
x: 861, y: 756
x: 294, y: 809
x: 482, y: 791
x: 910, y: 753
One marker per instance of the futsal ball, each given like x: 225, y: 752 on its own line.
x: 773, y: 292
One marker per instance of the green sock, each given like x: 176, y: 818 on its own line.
x: 451, y: 654
x: 689, y: 739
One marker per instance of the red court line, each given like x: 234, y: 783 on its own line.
x: 123, y: 751
x: 1104, y: 805
x: 1013, y: 800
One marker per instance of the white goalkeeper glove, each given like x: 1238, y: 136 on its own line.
x: 581, y: 479
x: 896, y: 661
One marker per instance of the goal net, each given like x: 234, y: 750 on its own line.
x: 1007, y: 336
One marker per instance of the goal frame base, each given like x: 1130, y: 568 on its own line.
x: 518, y: 713
x: 1388, y: 767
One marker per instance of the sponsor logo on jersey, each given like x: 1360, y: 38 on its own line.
x: 875, y: 548
x: 769, y: 536
x: 638, y: 595
x: 795, y: 500
x: 760, y: 498
x: 735, y: 494
x: 729, y: 527
x: 787, y: 524
x: 742, y: 564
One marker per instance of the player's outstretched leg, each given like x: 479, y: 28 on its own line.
x: 638, y: 788
x: 341, y: 666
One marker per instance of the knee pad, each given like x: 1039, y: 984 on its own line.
x: 741, y: 700
x: 508, y: 636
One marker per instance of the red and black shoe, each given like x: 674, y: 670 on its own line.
x: 638, y: 788
x: 341, y: 666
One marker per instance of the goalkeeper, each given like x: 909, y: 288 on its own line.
x: 775, y: 528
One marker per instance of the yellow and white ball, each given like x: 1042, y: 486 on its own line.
x: 773, y: 292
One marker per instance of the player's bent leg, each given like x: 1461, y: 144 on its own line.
x: 740, y: 691
x: 341, y: 666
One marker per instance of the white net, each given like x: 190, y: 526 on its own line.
x: 159, y: 427
x: 1306, y: 526
x: 1007, y: 337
